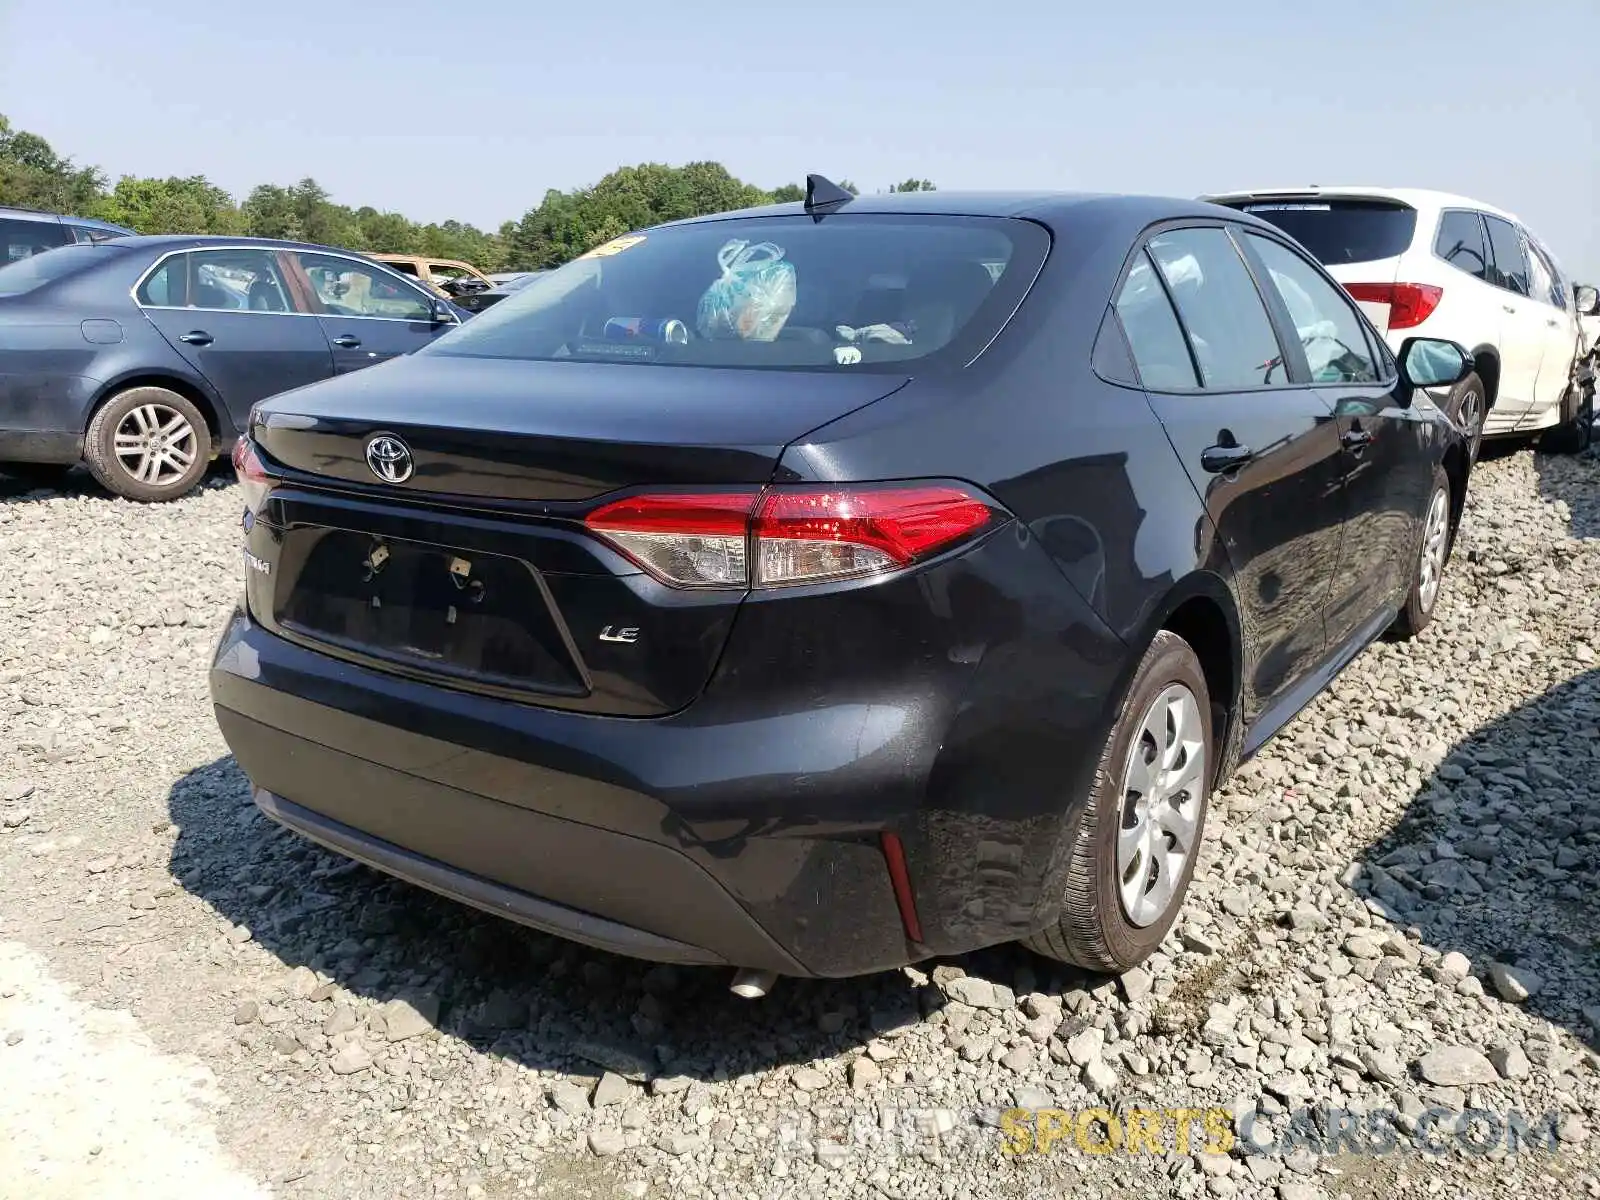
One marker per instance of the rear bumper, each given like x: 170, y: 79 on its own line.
x: 519, y: 906
x: 745, y: 829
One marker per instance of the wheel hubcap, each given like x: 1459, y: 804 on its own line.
x: 1435, y: 538
x: 1471, y: 413
x: 155, y: 444
x: 1162, y: 783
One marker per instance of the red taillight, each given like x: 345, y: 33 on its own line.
x: 1410, y: 304
x: 254, y: 481
x: 787, y: 536
x: 803, y: 537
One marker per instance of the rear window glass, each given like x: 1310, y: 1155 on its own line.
x: 1342, y: 231
x: 850, y: 293
x: 37, y: 270
x: 21, y: 239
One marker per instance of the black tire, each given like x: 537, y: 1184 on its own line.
x: 1468, y: 405
x: 118, y: 473
x: 1094, y: 929
x: 1420, y: 599
x: 1574, y: 436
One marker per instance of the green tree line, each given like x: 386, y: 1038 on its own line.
x: 562, y: 226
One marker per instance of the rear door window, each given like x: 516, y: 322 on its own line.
x: 1342, y: 231
x: 1460, y: 243
x: 1222, y: 313
x: 1510, y: 263
x: 23, y: 238
x: 858, y: 292
x: 241, y: 280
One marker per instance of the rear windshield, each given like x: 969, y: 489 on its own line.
x: 36, y: 270
x: 1342, y: 231
x: 848, y: 293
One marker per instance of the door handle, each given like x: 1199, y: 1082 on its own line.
x: 1355, y: 440
x: 1217, y: 459
x: 347, y: 341
x: 196, y: 337
x: 1510, y: 308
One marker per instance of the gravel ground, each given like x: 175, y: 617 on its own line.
x: 1395, y: 915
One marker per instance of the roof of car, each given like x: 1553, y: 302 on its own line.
x: 1044, y: 206
x: 1419, y: 198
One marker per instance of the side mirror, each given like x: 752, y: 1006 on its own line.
x: 1433, y: 362
x: 1588, y: 299
x: 444, y: 314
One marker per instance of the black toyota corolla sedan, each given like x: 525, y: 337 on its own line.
x: 819, y: 588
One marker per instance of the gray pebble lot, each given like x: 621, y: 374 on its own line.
x: 1395, y: 919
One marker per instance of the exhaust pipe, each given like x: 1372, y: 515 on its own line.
x: 751, y: 984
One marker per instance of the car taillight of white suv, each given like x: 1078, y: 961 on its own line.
x: 1430, y: 264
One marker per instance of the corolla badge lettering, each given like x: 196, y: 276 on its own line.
x: 389, y: 458
x: 612, y: 633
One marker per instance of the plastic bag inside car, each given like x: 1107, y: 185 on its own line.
x: 753, y: 297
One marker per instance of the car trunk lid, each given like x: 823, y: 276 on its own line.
x: 557, y: 432
x: 476, y: 570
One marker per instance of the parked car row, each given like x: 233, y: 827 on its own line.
x: 1417, y: 262
x: 828, y: 586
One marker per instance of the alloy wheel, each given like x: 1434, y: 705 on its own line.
x: 1435, y: 541
x: 1162, y: 784
x: 155, y: 444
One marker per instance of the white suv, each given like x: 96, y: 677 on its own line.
x: 1429, y: 264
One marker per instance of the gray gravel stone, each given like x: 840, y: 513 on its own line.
x: 1456, y: 1066
x: 1514, y: 983
x: 410, y: 1017
x: 612, y: 1089
x: 980, y: 993
x: 353, y: 1058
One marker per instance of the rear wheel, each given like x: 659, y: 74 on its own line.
x: 1134, y: 851
x: 1467, y: 407
x: 1427, y: 573
x: 148, y: 444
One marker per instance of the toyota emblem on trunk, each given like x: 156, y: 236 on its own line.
x: 389, y: 458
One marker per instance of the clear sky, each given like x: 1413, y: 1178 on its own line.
x: 473, y: 109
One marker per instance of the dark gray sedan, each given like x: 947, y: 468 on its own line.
x: 142, y: 356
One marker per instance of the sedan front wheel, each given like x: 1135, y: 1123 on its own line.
x: 148, y: 444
